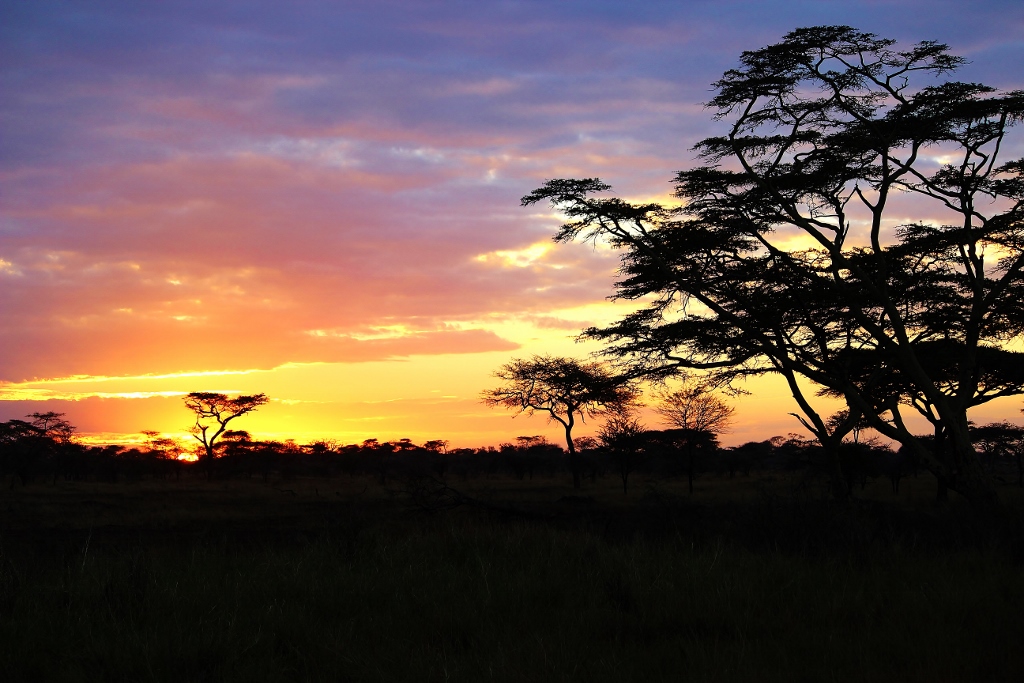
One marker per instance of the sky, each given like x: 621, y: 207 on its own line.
x: 320, y: 200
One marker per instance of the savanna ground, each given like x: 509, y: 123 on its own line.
x: 754, y: 578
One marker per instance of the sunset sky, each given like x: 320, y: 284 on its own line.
x: 320, y: 200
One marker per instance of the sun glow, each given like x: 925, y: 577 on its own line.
x: 516, y: 258
x: 343, y: 230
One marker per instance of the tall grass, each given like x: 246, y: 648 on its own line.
x: 460, y: 598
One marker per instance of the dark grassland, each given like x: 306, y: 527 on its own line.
x: 752, y: 579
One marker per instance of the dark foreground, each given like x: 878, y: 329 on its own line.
x: 521, y: 581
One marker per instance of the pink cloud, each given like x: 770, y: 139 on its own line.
x: 221, y: 263
x: 209, y: 187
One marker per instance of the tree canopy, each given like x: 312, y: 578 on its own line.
x: 693, y: 406
x: 214, y: 411
x: 566, y: 389
x: 790, y: 252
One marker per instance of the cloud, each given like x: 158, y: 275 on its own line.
x: 193, y: 186
x: 177, y: 261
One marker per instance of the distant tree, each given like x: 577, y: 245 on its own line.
x: 565, y: 389
x: 213, y: 412
x: 381, y: 456
x: 698, y: 415
x: 236, y: 443
x: 866, y: 459
x: 1002, y: 440
x: 53, y: 426
x: 322, y: 446
x: 45, y: 442
x: 831, y: 136
x: 163, y: 446
x: 22, y: 446
x: 748, y: 456
x: 622, y: 437
x: 586, y: 443
x: 437, y: 445
x: 695, y: 406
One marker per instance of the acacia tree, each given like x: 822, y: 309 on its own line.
x: 698, y: 414
x: 437, y: 446
x: 53, y: 426
x: 214, y: 411
x: 566, y: 389
x: 29, y: 447
x: 829, y: 133
x: 1002, y: 440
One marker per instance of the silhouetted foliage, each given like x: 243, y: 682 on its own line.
x: 214, y: 411
x: 698, y: 416
x: 999, y: 442
x: 530, y: 455
x: 684, y: 452
x: 42, y: 446
x: 825, y: 130
x: 565, y: 389
x: 869, y: 460
x: 53, y: 426
x: 624, y: 439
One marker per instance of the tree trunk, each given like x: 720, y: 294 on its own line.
x: 839, y: 483
x: 968, y: 476
x: 959, y: 461
x: 574, y: 458
x: 208, y: 464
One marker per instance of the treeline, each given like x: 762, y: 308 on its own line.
x: 43, y: 450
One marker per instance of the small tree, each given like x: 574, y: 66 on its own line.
x: 27, y: 448
x: 565, y: 388
x: 161, y: 446
x: 437, y: 446
x: 622, y: 436
x: 213, y: 412
x: 1002, y: 441
x: 700, y: 417
x: 53, y: 426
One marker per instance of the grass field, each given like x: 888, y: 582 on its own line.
x: 341, y: 579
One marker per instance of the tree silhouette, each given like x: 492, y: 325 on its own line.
x: 165, y: 447
x: 1002, y: 440
x: 46, y: 442
x: 999, y: 372
x: 622, y: 436
x: 700, y: 417
x: 437, y: 445
x: 565, y: 388
x: 214, y: 411
x: 827, y: 138
x: 53, y: 426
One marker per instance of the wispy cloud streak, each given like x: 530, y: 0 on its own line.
x: 190, y: 186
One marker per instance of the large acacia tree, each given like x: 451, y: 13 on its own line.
x: 791, y: 253
x: 567, y: 390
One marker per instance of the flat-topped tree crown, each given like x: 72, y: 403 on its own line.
x: 565, y: 389
x: 213, y: 412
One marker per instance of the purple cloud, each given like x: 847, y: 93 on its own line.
x: 176, y: 173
